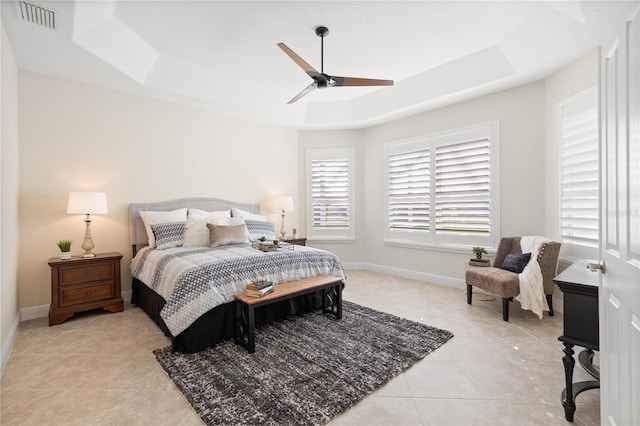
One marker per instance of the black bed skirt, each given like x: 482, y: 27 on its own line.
x: 220, y: 322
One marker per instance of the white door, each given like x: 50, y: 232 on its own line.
x: 619, y: 295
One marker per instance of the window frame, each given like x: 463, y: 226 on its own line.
x: 327, y: 235
x: 431, y: 240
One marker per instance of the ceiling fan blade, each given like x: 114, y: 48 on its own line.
x: 305, y: 92
x: 354, y: 81
x: 297, y: 59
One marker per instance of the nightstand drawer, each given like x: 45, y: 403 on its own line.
x: 87, y: 293
x: 87, y: 273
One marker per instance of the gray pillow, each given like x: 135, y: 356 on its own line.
x: 168, y: 234
x: 516, y: 262
x: 259, y: 228
x: 220, y: 235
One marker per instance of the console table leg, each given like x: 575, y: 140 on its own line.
x: 567, y: 395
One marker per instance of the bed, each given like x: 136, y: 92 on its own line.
x: 188, y: 290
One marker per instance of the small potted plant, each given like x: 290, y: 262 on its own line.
x: 478, y: 252
x: 65, y: 249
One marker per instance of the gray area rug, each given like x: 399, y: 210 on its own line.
x: 306, y: 369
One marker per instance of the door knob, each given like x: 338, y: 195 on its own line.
x: 597, y: 266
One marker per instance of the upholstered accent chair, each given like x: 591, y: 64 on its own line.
x: 506, y: 284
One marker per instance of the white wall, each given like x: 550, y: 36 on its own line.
x: 79, y: 137
x: 520, y: 112
x: 76, y: 137
x: 528, y: 170
x: 9, y: 314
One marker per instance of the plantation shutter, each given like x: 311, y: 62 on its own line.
x: 579, y: 172
x: 462, y: 187
x: 330, y: 202
x: 409, y: 193
x: 442, y: 189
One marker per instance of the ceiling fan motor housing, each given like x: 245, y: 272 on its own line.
x: 322, y: 31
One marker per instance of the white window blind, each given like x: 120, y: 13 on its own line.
x: 409, y: 193
x: 329, y: 189
x: 463, y: 184
x: 579, y: 171
x: 442, y: 189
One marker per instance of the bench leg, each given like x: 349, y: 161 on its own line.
x: 339, y: 301
x: 251, y: 339
x: 325, y: 295
x: 469, y: 292
x: 246, y: 326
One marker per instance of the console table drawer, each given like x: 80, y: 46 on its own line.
x: 86, y: 274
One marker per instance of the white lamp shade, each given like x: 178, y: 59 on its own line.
x: 87, y: 203
x: 285, y: 203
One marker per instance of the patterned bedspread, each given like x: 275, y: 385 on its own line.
x: 196, y: 280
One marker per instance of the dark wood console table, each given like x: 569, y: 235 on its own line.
x: 579, y: 286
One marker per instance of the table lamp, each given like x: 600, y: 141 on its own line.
x: 87, y: 203
x: 282, y: 204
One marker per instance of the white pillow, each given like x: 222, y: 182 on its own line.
x: 247, y: 215
x: 153, y: 218
x: 196, y: 233
x: 217, y: 213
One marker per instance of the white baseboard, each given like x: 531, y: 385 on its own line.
x: 34, y: 312
x: 558, y: 302
x: 7, y: 346
x: 406, y: 273
x: 41, y: 311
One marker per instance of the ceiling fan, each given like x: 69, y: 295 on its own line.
x: 322, y: 80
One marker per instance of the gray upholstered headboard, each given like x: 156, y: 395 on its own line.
x: 136, y: 227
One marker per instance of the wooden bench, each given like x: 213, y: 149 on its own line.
x: 246, y: 305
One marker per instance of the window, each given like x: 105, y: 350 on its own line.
x: 578, y: 174
x: 330, y: 213
x: 442, y: 189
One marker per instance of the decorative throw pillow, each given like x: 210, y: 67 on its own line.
x: 259, y: 228
x: 516, y: 262
x: 168, y: 234
x: 247, y: 215
x: 221, y: 235
x: 154, y: 217
x: 196, y: 233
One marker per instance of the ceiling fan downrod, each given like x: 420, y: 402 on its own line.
x: 322, y: 32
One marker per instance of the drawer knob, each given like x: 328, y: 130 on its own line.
x: 88, y: 272
x: 88, y: 292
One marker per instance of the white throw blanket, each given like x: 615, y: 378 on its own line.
x: 532, y: 295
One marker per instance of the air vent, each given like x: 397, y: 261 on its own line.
x: 38, y: 15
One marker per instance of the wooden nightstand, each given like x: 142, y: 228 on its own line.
x: 80, y: 284
x: 297, y: 241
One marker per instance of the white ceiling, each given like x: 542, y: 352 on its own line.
x: 223, y: 56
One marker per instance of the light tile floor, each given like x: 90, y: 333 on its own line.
x: 97, y: 368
